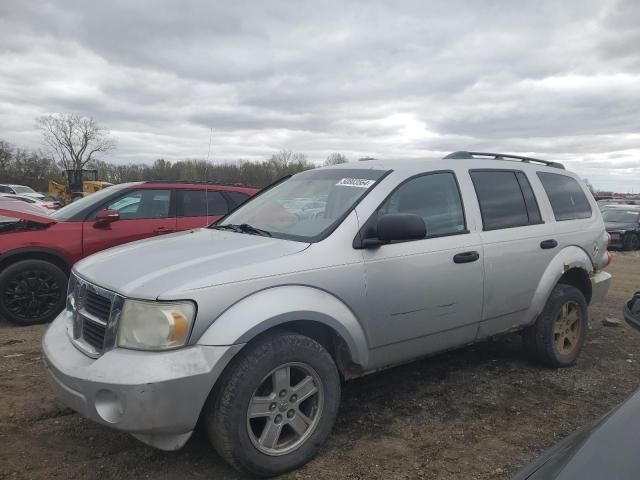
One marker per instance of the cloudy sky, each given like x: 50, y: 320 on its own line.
x: 391, y: 79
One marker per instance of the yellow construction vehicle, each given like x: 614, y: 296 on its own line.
x: 80, y: 183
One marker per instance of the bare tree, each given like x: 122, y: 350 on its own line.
x: 74, y: 140
x: 335, y: 159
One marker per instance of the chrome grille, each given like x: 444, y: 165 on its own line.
x: 95, y: 312
x: 97, y: 305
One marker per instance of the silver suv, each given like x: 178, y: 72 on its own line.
x: 251, y: 324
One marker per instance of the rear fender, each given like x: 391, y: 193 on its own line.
x: 566, y: 259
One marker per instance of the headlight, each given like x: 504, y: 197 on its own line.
x: 147, y: 325
x: 71, y: 293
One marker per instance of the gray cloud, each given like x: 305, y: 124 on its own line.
x: 393, y: 80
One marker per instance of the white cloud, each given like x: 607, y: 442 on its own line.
x: 409, y: 79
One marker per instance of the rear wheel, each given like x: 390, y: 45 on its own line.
x: 631, y: 242
x: 31, y: 292
x: 556, y: 339
x: 275, y: 405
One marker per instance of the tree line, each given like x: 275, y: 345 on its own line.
x: 76, y: 142
x: 35, y: 168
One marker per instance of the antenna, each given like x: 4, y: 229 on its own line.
x: 206, y: 188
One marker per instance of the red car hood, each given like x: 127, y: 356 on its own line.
x: 25, y: 212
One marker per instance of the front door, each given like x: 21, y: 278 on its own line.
x: 425, y: 295
x: 144, y: 213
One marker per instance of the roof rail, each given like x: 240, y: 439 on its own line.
x: 201, y: 182
x: 502, y: 156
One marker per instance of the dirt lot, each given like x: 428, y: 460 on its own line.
x: 477, y: 413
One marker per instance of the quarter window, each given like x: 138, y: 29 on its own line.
x: 506, y: 199
x: 567, y: 198
x: 434, y: 197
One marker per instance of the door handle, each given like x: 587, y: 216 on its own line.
x: 161, y: 230
x: 466, y: 257
x: 546, y: 244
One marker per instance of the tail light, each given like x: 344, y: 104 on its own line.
x: 608, y: 239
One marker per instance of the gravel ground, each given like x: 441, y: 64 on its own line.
x: 477, y: 413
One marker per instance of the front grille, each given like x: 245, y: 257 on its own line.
x: 97, y: 305
x: 93, y: 334
x: 95, y: 314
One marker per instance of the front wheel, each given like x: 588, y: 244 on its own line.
x: 557, y: 337
x: 275, y: 405
x: 32, y: 292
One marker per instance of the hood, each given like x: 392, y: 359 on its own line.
x: 608, y: 449
x: 12, y: 212
x: 615, y: 226
x: 174, y: 264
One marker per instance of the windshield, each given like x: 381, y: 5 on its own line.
x: 621, y: 216
x: 308, y: 206
x: 23, y: 189
x: 69, y: 211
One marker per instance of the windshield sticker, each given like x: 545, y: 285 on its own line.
x: 356, y: 182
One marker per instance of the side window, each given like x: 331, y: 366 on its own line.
x: 139, y: 204
x: 193, y: 203
x: 4, y: 189
x: 567, y: 198
x: 196, y: 202
x: 238, y: 198
x: 506, y: 199
x: 217, y: 204
x: 435, y: 197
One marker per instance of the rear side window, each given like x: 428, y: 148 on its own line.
x: 238, y: 198
x: 506, y: 199
x: 567, y: 198
x: 194, y: 203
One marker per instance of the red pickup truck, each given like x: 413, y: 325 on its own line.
x: 38, y: 250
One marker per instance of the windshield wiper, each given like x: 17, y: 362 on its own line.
x: 244, y: 228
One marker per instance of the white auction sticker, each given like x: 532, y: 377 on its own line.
x: 356, y: 182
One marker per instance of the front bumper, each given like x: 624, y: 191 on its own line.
x: 600, y: 283
x: 156, y: 396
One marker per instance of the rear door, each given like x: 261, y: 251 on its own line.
x: 199, y: 208
x: 518, y: 246
x: 144, y: 213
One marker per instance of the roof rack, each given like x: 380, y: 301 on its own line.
x: 202, y: 182
x: 502, y: 156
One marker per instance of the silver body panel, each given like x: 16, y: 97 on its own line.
x: 391, y: 304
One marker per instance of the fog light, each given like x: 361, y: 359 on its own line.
x: 109, y: 406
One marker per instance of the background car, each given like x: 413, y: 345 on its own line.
x: 47, y: 205
x: 623, y: 224
x: 38, y: 249
x: 20, y: 190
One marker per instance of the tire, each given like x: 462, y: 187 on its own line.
x: 251, y: 379
x: 32, y: 292
x: 631, y: 242
x: 557, y: 337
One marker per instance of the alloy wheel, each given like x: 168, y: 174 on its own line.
x: 285, y: 409
x: 568, y: 328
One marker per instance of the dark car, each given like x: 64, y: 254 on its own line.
x: 623, y: 224
x: 632, y: 311
x: 607, y: 449
x: 38, y: 249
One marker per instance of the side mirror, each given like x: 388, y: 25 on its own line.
x: 106, y: 217
x: 397, y: 227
